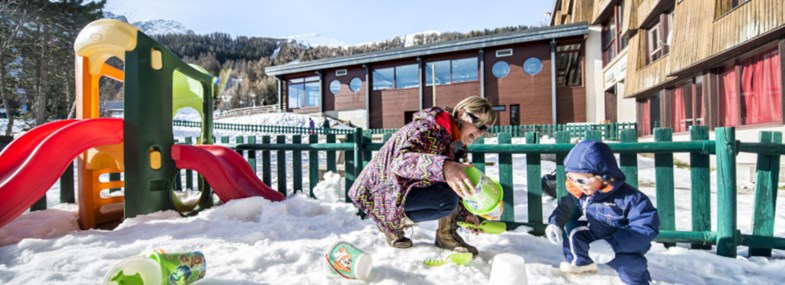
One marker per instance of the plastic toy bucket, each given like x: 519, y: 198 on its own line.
x: 158, y: 269
x: 136, y: 270
x: 348, y: 261
x: 487, y: 198
x: 181, y: 268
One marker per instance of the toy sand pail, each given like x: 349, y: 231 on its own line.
x: 487, y: 198
x: 135, y: 270
x: 348, y: 261
x: 181, y: 268
x: 158, y: 268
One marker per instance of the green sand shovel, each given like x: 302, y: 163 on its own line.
x: 488, y: 227
x: 457, y: 258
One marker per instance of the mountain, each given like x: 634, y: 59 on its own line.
x: 163, y: 27
x: 154, y: 27
x: 316, y: 40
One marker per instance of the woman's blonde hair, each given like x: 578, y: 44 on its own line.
x: 479, y: 107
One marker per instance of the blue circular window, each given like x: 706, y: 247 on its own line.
x: 532, y: 66
x: 355, y: 84
x: 335, y: 87
x: 500, y: 69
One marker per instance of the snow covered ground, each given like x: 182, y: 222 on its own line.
x: 254, y: 241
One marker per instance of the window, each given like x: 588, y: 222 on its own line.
x: 464, y: 69
x: 312, y: 94
x: 383, y: 78
x: 649, y: 115
x: 442, y: 72
x: 654, y: 45
x: 504, y: 52
x: 406, y: 76
x: 569, y: 65
x: 451, y: 71
x: 658, y: 37
x: 335, y: 87
x: 296, y: 95
x: 725, y: 6
x: 751, y: 92
x: 500, y: 69
x: 355, y: 84
x: 612, y: 41
x: 681, y: 108
x: 532, y: 66
x: 304, y: 92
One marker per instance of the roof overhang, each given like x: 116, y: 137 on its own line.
x: 530, y: 35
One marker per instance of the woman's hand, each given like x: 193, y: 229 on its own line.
x: 455, y: 176
x: 474, y: 220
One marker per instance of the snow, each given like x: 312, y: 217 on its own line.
x: 255, y: 241
x: 315, y: 40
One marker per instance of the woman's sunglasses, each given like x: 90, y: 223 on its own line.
x: 475, y: 121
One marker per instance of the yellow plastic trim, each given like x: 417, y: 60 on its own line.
x: 156, y: 59
x: 155, y: 158
x: 103, y: 39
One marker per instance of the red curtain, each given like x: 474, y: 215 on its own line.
x: 679, y: 114
x: 761, y: 89
x: 728, y: 97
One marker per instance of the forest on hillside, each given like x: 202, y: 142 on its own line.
x: 37, y: 59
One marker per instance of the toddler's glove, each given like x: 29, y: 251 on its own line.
x: 601, y: 252
x: 553, y: 233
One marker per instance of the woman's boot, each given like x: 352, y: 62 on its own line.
x: 447, y: 235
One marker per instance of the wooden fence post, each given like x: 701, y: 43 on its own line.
x: 505, y: 178
x: 663, y: 183
x: 281, y: 165
x: 478, y: 159
x: 561, y: 190
x: 297, y: 165
x: 766, y: 193
x: 726, y: 150
x: 267, y: 171
x: 313, y: 165
x: 628, y: 162
x: 701, y: 186
x: 534, y: 185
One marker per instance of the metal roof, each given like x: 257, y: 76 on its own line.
x: 529, y: 35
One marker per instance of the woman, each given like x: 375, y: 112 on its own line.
x: 416, y: 175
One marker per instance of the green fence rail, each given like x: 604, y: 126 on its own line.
x: 609, y: 132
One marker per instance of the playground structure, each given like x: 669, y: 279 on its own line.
x: 139, y: 146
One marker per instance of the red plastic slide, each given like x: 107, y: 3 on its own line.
x: 32, y: 163
x: 225, y: 170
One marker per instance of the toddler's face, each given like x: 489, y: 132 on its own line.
x: 587, y: 182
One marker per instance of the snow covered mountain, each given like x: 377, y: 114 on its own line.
x: 314, y: 40
x: 154, y: 27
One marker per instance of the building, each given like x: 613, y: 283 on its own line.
x: 535, y: 76
x: 710, y: 62
x: 716, y: 63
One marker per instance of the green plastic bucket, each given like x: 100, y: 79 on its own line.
x: 158, y: 268
x: 487, y: 198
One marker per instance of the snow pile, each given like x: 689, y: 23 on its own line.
x: 329, y: 189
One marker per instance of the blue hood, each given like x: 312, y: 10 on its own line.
x: 593, y: 157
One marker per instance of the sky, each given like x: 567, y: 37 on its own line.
x: 350, y: 21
